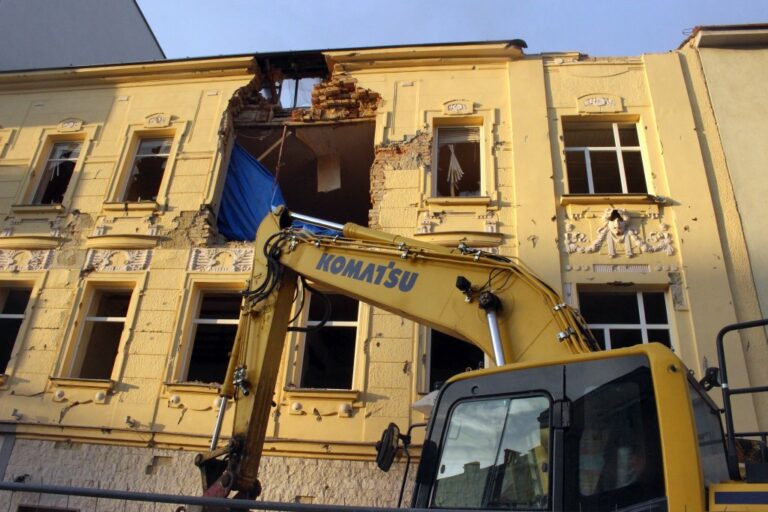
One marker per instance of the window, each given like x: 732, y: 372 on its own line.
x: 13, y: 303
x: 603, y: 158
x: 328, y: 353
x: 57, y: 173
x: 709, y: 431
x: 458, y: 162
x: 147, y: 171
x: 214, y: 328
x: 612, y: 447
x: 102, y: 331
x: 623, y: 319
x: 496, y: 455
x: 449, y: 356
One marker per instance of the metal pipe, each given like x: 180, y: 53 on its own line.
x: 493, y: 325
x: 226, y: 503
x: 317, y: 222
x: 219, y: 422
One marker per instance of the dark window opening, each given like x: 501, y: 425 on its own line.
x: 101, y: 334
x: 329, y: 352
x: 57, y: 173
x: 624, y: 319
x: 13, y: 303
x: 37, y: 508
x: 603, y: 158
x: 148, y: 169
x: 449, y: 356
x: 458, y: 162
x: 215, y: 329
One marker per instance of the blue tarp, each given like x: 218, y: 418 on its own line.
x: 250, y: 192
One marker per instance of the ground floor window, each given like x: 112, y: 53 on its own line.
x: 13, y: 304
x: 449, y: 356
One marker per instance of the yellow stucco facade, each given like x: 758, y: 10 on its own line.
x: 604, y: 176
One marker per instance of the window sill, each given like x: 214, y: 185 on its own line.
x: 142, y: 206
x: 68, y: 382
x: 192, y: 387
x: 460, y: 201
x: 37, y: 208
x: 567, y: 199
x: 326, y: 394
x: 30, y: 242
x: 122, y: 242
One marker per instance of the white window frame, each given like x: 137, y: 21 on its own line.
x: 87, y: 331
x: 643, y: 326
x: 132, y: 167
x: 37, y: 194
x: 182, y: 371
x: 10, y: 285
x: 617, y: 148
x: 297, y: 341
x: 436, y: 152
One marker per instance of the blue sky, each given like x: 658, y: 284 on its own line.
x: 192, y: 28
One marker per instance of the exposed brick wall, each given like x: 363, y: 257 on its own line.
x: 413, y: 153
x: 339, y: 98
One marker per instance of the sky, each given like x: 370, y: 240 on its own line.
x: 195, y: 28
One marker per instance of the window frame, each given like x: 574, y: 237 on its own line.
x: 296, y: 347
x: 617, y: 148
x: 483, y: 192
x: 47, y: 138
x: 485, y: 120
x: 118, y: 186
x: 34, y: 288
x: 424, y: 355
x: 76, y: 327
x: 184, y: 332
x: 642, y: 325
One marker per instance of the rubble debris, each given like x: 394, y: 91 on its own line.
x: 339, y: 98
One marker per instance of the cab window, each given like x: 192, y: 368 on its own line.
x: 496, y: 455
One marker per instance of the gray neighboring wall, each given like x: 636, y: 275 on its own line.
x: 38, y: 34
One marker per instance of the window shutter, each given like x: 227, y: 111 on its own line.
x: 457, y: 135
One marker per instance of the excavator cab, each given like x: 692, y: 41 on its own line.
x: 581, y: 435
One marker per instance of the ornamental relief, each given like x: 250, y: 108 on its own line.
x: 221, y: 260
x: 618, y: 237
x: 118, y: 260
x: 12, y: 260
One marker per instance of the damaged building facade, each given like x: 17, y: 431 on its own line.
x: 120, y: 295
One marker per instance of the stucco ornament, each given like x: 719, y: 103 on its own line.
x: 221, y: 260
x: 617, y: 235
x: 12, y: 260
x: 118, y: 260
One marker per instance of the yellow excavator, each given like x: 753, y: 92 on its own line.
x: 556, y: 425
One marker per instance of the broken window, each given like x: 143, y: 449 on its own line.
x: 147, y: 170
x: 623, y: 319
x: 102, y: 331
x: 328, y: 353
x: 13, y: 304
x: 214, y: 328
x: 57, y: 173
x: 603, y: 158
x: 323, y: 171
x: 458, y: 162
x: 449, y: 356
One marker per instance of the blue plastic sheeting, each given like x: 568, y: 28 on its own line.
x: 250, y: 192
